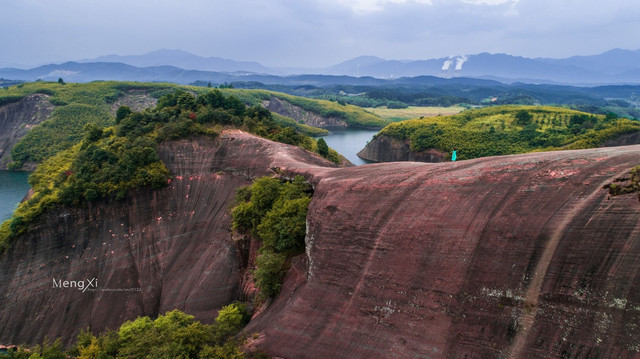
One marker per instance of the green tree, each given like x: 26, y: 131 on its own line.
x: 230, y: 320
x: 523, y: 118
x: 122, y: 112
x: 323, y: 149
x: 93, y: 132
x: 269, y: 272
x: 284, y: 226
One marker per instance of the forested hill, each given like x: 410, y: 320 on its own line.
x: 57, y: 113
x: 499, y: 130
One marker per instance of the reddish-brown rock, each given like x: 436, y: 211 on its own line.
x: 174, y: 244
x: 514, y: 256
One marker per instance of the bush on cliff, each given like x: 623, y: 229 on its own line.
x: 172, y: 335
x: 275, y: 211
x: 105, y: 164
x: 625, y: 185
x: 269, y: 272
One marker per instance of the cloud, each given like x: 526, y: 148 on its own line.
x: 490, y: 2
x: 368, y: 6
x: 314, y: 32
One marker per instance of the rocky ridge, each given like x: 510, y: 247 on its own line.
x: 511, y: 256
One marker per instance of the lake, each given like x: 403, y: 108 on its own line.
x: 349, y: 142
x: 13, y: 188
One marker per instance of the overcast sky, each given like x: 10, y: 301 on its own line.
x: 313, y: 33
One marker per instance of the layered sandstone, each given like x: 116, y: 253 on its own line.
x: 153, y: 252
x: 513, y: 256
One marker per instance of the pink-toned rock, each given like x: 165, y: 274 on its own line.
x: 153, y: 252
x: 515, y: 256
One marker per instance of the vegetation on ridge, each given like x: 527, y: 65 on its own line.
x: 503, y: 130
x: 79, y: 104
x: 354, y: 116
x: 108, y: 162
x: 76, y: 106
x: 624, y: 185
x: 172, y: 335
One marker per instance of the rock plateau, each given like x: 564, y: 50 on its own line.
x: 515, y: 256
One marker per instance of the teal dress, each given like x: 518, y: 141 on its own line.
x: 453, y: 155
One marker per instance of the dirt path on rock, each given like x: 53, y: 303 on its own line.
x: 533, y: 292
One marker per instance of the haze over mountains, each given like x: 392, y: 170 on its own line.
x: 612, y: 67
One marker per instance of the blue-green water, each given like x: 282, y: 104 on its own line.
x: 350, y: 142
x: 13, y: 188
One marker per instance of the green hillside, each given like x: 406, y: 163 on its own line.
x: 79, y: 104
x: 109, y: 161
x: 503, y: 130
x: 354, y: 116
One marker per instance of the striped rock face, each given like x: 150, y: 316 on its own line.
x: 513, y: 256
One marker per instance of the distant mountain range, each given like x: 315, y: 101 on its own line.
x: 612, y: 67
x: 184, y: 60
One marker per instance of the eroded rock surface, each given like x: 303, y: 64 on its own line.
x: 387, y: 149
x: 299, y: 114
x: 153, y: 252
x: 513, y: 256
x: 17, y: 118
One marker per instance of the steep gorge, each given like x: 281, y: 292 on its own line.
x: 521, y: 256
x: 156, y: 251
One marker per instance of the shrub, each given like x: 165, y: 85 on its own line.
x: 323, y: 149
x: 230, y: 320
x: 275, y: 211
x: 269, y: 272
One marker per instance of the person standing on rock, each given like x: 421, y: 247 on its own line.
x: 454, y: 155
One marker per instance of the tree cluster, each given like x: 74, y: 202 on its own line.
x: 274, y: 211
x: 172, y: 335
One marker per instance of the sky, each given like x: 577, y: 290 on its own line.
x: 313, y: 33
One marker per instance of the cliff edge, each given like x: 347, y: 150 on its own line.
x: 153, y: 252
x: 17, y: 118
x: 388, y: 149
x: 511, y: 256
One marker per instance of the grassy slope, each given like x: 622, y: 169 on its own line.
x: 494, y: 131
x: 79, y: 104
x: 402, y: 114
x: 356, y: 117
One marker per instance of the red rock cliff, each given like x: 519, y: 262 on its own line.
x: 514, y: 256
x: 173, y: 244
